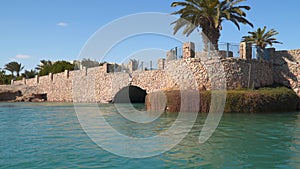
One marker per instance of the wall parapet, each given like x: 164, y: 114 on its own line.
x: 99, y: 84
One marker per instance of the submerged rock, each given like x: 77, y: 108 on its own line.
x: 32, y: 98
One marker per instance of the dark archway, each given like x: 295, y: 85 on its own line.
x: 130, y: 94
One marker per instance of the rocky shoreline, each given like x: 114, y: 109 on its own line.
x: 21, y: 93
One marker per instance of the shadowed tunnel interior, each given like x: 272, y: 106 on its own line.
x: 130, y: 94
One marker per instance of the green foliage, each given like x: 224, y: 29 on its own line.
x: 18, y: 78
x: 47, y: 67
x: 4, y: 79
x: 45, y: 64
x: 61, y: 66
x: 44, y: 68
x: 263, y: 100
x: 208, y: 15
x: 29, y: 74
x: 14, y: 67
x: 262, y: 37
x: 9, y: 68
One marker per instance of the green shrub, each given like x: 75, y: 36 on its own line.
x: 262, y: 100
x: 57, y: 67
x: 238, y: 101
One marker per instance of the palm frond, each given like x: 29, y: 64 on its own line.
x: 261, y: 37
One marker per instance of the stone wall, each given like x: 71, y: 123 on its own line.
x: 96, y: 85
x: 287, y: 69
x: 201, y: 70
x: 242, y: 73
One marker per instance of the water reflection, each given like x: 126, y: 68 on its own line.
x: 116, y: 134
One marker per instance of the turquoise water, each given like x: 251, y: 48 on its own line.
x: 48, y: 135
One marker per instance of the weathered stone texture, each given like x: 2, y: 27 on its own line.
x: 204, y: 73
x: 188, y: 50
x: 12, y: 92
x: 248, y: 73
x: 287, y: 69
x: 246, y: 51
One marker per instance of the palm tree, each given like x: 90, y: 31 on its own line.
x: 262, y: 38
x: 9, y: 67
x: 44, y: 68
x: 44, y: 64
x: 14, y: 67
x: 208, y: 15
x: 19, y: 68
x: 29, y: 74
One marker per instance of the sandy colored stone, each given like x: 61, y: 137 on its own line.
x: 96, y: 85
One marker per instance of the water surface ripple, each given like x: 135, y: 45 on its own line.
x: 48, y: 135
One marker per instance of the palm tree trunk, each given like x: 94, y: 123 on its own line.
x: 260, y: 53
x: 210, y: 38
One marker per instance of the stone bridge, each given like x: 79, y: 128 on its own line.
x: 101, y: 85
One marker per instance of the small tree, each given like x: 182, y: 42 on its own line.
x: 29, y: 74
x: 261, y: 38
x: 14, y: 67
x: 47, y: 67
x: 61, y: 66
x: 4, y: 79
x: 10, y: 68
x: 44, y: 67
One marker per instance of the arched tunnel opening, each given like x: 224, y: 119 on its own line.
x: 130, y: 94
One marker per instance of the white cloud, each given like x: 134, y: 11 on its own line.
x: 13, y: 59
x: 21, y: 56
x: 62, y: 24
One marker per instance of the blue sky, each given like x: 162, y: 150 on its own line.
x: 32, y: 30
